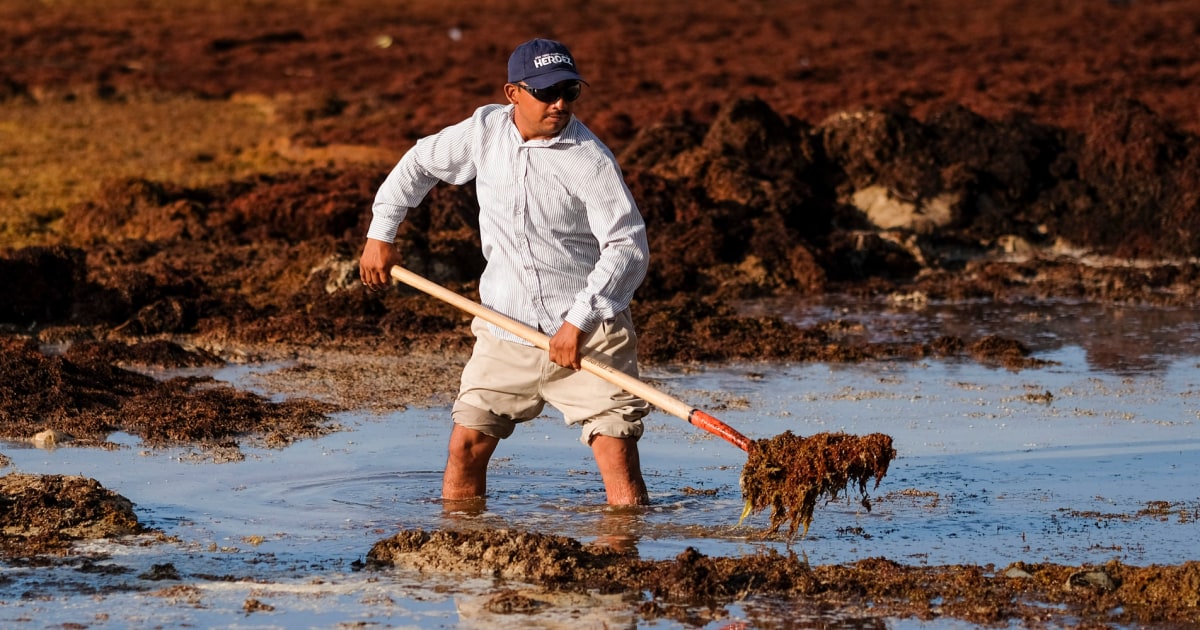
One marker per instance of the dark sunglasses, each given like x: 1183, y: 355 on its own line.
x: 568, y: 91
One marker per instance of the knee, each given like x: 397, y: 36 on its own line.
x: 469, y: 447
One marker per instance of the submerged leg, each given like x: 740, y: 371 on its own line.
x: 621, y: 469
x: 466, y: 466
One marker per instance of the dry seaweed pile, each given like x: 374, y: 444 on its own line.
x: 745, y: 204
x: 789, y: 473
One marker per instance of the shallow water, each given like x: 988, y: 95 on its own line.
x: 990, y: 470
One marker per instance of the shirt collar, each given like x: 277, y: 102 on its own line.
x: 568, y: 135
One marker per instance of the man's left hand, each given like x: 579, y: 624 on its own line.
x: 565, y: 346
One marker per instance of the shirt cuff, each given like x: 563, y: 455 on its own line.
x: 584, y: 317
x: 383, y: 229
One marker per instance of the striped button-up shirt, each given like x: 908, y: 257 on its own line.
x: 561, y: 234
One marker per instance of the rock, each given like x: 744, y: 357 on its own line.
x: 1098, y: 581
x: 1017, y: 573
x: 887, y: 211
x: 50, y: 439
x: 340, y: 273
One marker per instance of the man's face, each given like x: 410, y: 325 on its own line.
x: 537, y: 119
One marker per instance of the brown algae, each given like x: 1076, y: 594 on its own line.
x: 788, y: 473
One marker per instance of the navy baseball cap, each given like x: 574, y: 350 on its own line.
x: 541, y: 63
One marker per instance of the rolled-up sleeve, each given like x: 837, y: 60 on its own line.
x: 445, y: 156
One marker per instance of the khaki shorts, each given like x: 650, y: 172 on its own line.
x: 505, y: 383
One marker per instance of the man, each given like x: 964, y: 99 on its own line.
x: 566, y: 249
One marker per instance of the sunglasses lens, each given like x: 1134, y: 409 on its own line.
x: 568, y: 92
x: 571, y: 91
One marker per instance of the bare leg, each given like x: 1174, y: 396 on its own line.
x: 466, y: 466
x: 621, y: 470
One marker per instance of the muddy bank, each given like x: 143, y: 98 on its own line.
x: 694, y: 588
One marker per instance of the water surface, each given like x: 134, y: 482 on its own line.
x: 1082, y: 462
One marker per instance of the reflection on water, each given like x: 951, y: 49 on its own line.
x: 1086, y: 461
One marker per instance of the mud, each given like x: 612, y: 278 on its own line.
x: 908, y: 152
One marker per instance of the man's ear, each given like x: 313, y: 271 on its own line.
x: 510, y: 92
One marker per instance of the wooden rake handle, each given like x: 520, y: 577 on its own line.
x: 659, y: 399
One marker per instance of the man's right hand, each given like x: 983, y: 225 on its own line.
x: 375, y: 265
x: 566, y: 345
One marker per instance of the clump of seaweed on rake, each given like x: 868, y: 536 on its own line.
x: 788, y: 473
